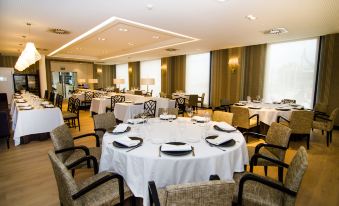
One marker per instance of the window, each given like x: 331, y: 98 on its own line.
x: 151, y: 69
x: 122, y: 73
x: 291, y: 71
x: 198, y: 75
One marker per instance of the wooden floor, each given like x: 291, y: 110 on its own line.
x: 26, y: 176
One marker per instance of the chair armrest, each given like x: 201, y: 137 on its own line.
x: 322, y: 117
x: 88, y: 135
x: 255, y: 115
x: 84, y: 148
x: 100, y: 182
x: 257, y: 148
x: 281, y: 117
x: 214, y: 177
x: 83, y: 159
x: 262, y: 180
x: 257, y: 156
x: 254, y: 134
x: 100, y: 129
x: 316, y: 113
x: 153, y: 194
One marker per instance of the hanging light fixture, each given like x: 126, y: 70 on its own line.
x: 28, y: 56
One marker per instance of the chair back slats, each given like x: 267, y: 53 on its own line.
x: 116, y: 99
x: 150, y: 107
x: 180, y: 103
x: 88, y: 96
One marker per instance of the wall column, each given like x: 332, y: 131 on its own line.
x: 42, y: 75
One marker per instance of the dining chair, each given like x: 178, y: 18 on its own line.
x: 220, y: 116
x: 288, y: 101
x: 225, y: 105
x: 252, y: 189
x: 320, y: 109
x: 67, y: 152
x: 88, y: 100
x: 326, y: 124
x: 138, y: 92
x: 116, y: 90
x: 104, y: 188
x: 103, y: 122
x: 59, y: 101
x: 5, y: 128
x: 213, y: 192
x: 243, y: 120
x: 149, y: 94
x: 201, y: 100
x: 171, y: 111
x: 3, y: 102
x: 300, y: 122
x: 46, y: 95
x: 115, y: 99
x: 97, y: 95
x: 150, y: 108
x: 163, y: 94
x: 180, y: 103
x: 73, y: 115
x: 274, y: 147
x: 193, y: 101
x: 51, y: 97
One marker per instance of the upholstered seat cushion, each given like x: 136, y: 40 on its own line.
x: 319, y: 125
x: 105, y: 194
x: 253, y: 122
x: 67, y: 115
x: 263, y: 151
x: 162, y: 194
x: 255, y: 193
x: 77, y: 154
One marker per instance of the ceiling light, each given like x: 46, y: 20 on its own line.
x: 123, y: 29
x: 101, y: 39
x: 171, y: 49
x: 276, y: 31
x: 251, y: 17
x: 155, y: 37
x: 58, y: 31
x: 130, y: 43
x: 149, y: 6
x: 221, y: 0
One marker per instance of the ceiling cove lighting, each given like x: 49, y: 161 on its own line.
x: 114, y: 19
x: 251, y: 17
x: 28, y: 56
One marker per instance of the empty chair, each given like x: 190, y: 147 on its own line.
x: 220, y: 116
x: 88, y: 99
x: 116, y: 90
x: 320, y: 109
x: 201, y: 100
x: 103, y: 122
x: 193, y: 101
x: 300, y: 122
x: 115, y: 99
x: 215, y: 192
x: 66, y: 150
x: 163, y: 94
x: 104, y: 188
x: 288, y: 101
x: 180, y: 103
x: 97, y: 95
x: 242, y: 118
x: 138, y: 92
x: 51, y: 97
x: 73, y: 115
x: 150, y: 108
x: 4, y: 128
x: 149, y: 94
x: 59, y: 100
x: 252, y: 189
x: 326, y: 124
x: 46, y: 94
x: 274, y: 147
x: 225, y: 105
x: 172, y: 111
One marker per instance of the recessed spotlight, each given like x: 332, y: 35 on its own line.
x: 149, y: 6
x: 123, y: 29
x: 101, y: 39
x: 251, y: 17
x: 131, y: 43
x: 276, y: 31
x: 155, y: 37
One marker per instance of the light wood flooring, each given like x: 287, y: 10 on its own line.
x: 27, y: 178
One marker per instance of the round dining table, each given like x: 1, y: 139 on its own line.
x: 148, y: 163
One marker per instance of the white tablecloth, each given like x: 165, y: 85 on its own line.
x: 125, y: 111
x: 26, y: 122
x: 144, y: 164
x: 98, y: 105
x: 80, y: 96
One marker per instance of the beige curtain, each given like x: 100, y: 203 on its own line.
x: 254, y: 70
x: 105, y: 78
x: 134, y: 74
x: 328, y: 74
x: 173, y: 74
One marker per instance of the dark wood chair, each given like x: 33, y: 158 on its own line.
x: 59, y: 100
x: 180, y: 103
x: 193, y: 101
x: 115, y: 99
x: 225, y: 105
x: 150, y: 108
x: 51, y: 97
x: 87, y: 101
x: 3, y: 102
x: 4, y: 128
x: 46, y: 94
x: 73, y: 115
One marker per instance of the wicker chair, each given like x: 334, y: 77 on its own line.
x: 201, y: 100
x: 252, y: 189
x: 242, y: 118
x: 215, y: 192
x: 172, y: 111
x: 326, y: 124
x: 103, y: 122
x: 220, y: 116
x: 274, y: 147
x: 300, y: 123
x: 103, y: 188
x: 66, y: 150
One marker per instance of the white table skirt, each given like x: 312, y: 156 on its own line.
x: 98, y: 105
x: 80, y: 96
x: 125, y: 111
x: 143, y: 164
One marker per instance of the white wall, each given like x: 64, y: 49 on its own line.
x: 122, y: 73
x: 151, y: 69
x: 6, y: 82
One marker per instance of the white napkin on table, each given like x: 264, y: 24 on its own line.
x: 20, y: 101
x: 45, y: 102
x: 171, y: 147
x: 199, y: 119
x: 224, y: 126
x: 167, y: 116
x: 135, y: 121
x: 127, y: 141
x: 219, y: 140
x: 120, y: 128
x: 23, y: 104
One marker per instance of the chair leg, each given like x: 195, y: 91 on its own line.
x: 281, y: 174
x: 79, y: 123
x: 265, y: 169
x: 331, y: 136
x: 133, y: 201
x: 7, y: 142
x: 251, y: 168
x: 308, y: 141
x: 245, y: 168
x: 327, y: 138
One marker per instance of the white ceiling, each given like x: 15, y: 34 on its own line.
x: 216, y: 24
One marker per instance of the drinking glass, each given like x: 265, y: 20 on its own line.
x: 189, y: 111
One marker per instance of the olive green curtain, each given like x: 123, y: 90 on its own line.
x: 134, y: 75
x: 328, y: 74
x: 173, y: 74
x: 254, y: 70
x: 105, y: 78
x: 48, y: 74
x: 9, y: 61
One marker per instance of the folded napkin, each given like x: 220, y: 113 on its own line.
x: 126, y: 141
x: 135, y: 121
x: 27, y: 107
x: 167, y: 116
x: 173, y: 148
x: 224, y: 126
x: 219, y: 140
x: 199, y: 119
x: 23, y: 105
x: 120, y: 128
x: 45, y: 102
x: 20, y: 101
x: 49, y: 105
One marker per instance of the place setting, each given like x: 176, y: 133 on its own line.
x: 129, y: 143
x: 176, y: 149
x: 220, y: 141
x: 224, y: 127
x: 119, y: 129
